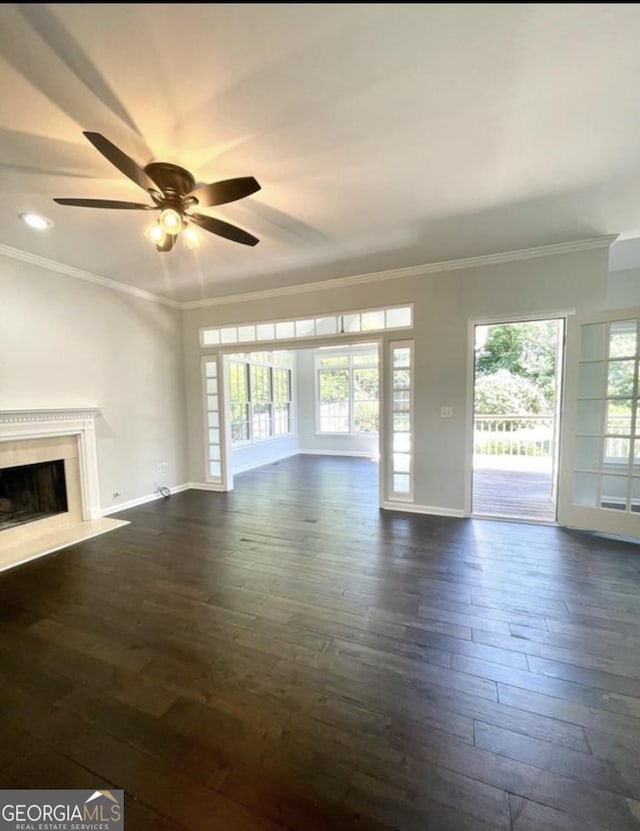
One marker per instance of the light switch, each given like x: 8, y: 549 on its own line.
x: 446, y: 412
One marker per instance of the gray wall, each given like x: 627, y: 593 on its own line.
x: 262, y: 453
x: 624, y: 288
x: 444, y: 303
x: 66, y: 342
x: 308, y: 440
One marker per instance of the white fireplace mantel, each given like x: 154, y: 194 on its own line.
x: 16, y: 425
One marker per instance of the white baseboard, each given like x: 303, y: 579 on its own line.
x: 180, y: 488
x: 275, y: 459
x: 205, y: 486
x: 141, y: 500
x: 361, y: 453
x: 403, y: 507
x: 434, y: 510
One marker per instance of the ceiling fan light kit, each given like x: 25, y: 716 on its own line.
x: 174, y: 193
x: 191, y: 237
x: 170, y: 221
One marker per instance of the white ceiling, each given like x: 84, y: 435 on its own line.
x: 382, y: 135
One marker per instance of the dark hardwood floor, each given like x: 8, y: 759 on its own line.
x: 288, y: 656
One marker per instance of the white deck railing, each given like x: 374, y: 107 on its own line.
x: 513, y: 435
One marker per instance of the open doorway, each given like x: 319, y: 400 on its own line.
x: 319, y: 401
x: 516, y: 413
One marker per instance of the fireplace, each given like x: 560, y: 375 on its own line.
x: 48, y: 473
x: 29, y: 493
x: 52, y: 455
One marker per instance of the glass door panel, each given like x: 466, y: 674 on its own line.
x: 602, y: 459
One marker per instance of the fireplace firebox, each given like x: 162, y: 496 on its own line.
x: 32, y: 492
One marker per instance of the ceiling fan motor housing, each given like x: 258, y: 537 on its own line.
x: 174, y: 182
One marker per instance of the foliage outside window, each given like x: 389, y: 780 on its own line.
x: 348, y: 392
x: 239, y: 396
x: 516, y: 388
x: 516, y: 368
x: 281, y: 401
x: 260, y: 396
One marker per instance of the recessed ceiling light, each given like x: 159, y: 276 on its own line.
x: 37, y: 221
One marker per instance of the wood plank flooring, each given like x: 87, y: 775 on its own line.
x: 287, y: 656
x: 521, y: 494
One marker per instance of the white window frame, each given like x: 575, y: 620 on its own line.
x: 349, y: 352
x: 578, y: 512
x: 213, y: 411
x: 333, y: 326
x: 246, y: 360
x: 408, y: 495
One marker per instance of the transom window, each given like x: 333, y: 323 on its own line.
x: 348, y: 384
x: 260, y: 396
x: 367, y: 320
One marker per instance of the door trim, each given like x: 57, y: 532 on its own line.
x: 488, y: 320
x: 621, y: 523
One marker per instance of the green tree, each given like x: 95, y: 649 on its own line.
x: 334, y: 385
x: 503, y: 393
x: 527, y: 350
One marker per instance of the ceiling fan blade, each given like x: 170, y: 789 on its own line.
x: 120, y: 160
x: 217, y: 193
x: 106, y: 203
x: 167, y: 243
x: 223, y: 229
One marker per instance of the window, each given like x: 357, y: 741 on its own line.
x: 239, y: 397
x: 607, y: 444
x: 281, y: 401
x: 214, y: 465
x: 367, y: 320
x: 260, y: 400
x: 260, y: 396
x: 348, y: 391
x: 401, y: 424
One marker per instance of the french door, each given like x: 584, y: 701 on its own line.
x: 600, y: 482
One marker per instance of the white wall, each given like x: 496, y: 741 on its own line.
x: 444, y: 303
x: 263, y: 453
x: 309, y: 441
x: 66, y: 342
x: 624, y: 289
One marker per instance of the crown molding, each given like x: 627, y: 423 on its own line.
x: 87, y: 276
x: 410, y: 271
x: 322, y: 285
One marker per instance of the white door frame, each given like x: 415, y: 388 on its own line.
x: 493, y: 320
x: 221, y: 482
x: 381, y: 340
x: 593, y: 518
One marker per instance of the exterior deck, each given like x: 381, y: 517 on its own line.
x: 514, y: 487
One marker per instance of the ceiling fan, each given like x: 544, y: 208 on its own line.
x: 174, y: 193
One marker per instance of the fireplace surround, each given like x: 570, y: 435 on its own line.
x: 35, y: 437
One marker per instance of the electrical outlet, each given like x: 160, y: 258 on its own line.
x: 446, y: 412
x: 165, y: 467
